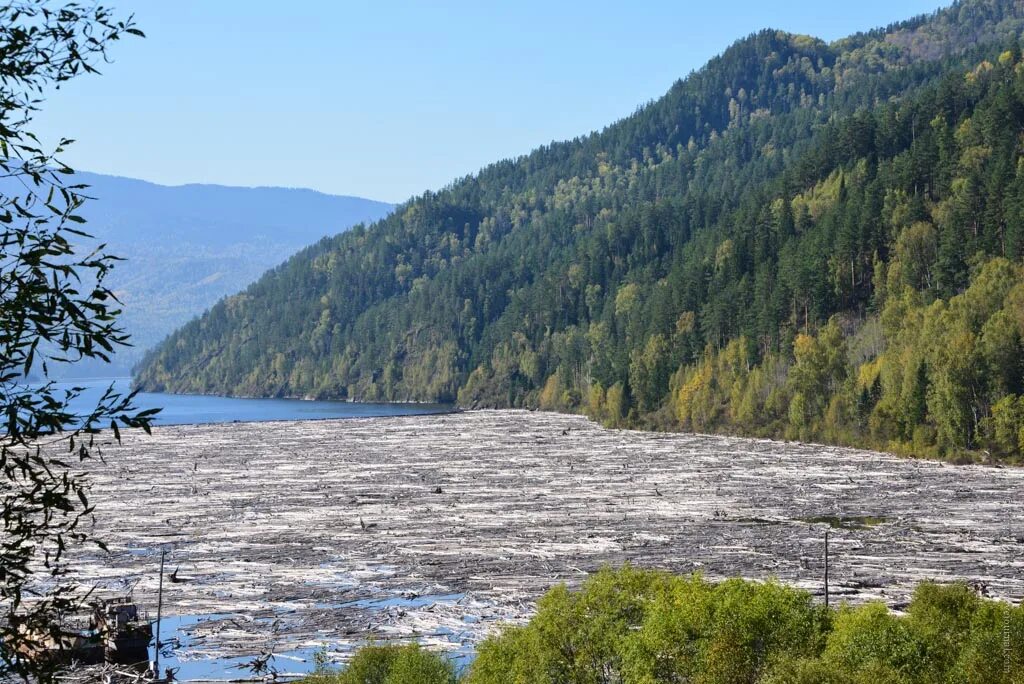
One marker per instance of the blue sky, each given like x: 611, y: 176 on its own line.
x: 386, y: 99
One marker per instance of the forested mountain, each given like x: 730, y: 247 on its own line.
x: 802, y: 239
x: 186, y: 247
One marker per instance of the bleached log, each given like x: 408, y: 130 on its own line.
x: 309, y: 522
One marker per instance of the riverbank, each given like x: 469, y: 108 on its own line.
x: 295, y: 534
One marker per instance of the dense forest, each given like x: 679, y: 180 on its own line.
x: 801, y: 239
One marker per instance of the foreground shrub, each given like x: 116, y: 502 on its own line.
x: 730, y: 632
x: 575, y: 636
x: 948, y: 635
x: 646, y: 627
x: 408, y: 664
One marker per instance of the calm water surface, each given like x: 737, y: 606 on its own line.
x: 181, y: 409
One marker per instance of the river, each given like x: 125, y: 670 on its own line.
x: 188, y: 409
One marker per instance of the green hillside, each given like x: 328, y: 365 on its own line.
x: 212, y: 241
x: 810, y: 240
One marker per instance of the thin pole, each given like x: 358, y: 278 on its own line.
x: 159, y: 610
x: 826, y: 568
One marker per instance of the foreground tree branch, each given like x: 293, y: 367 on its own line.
x: 54, y: 308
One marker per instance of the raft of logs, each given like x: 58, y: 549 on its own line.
x: 291, y: 535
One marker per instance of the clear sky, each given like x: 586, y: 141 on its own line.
x: 386, y: 99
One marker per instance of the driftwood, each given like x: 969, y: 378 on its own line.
x: 295, y: 534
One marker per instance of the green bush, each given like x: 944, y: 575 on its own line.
x: 646, y: 627
x: 730, y: 632
x: 408, y: 664
x: 872, y: 642
x: 575, y: 636
x: 634, y: 626
x: 948, y: 635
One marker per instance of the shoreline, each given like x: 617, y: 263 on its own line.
x: 958, y: 459
x: 456, y: 410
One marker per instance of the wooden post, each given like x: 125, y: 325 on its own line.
x: 159, y: 611
x: 826, y: 567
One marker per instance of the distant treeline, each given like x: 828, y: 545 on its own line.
x: 804, y: 240
x: 644, y: 627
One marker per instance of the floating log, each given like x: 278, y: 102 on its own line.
x: 326, y: 527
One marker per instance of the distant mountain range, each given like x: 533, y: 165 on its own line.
x: 187, y: 246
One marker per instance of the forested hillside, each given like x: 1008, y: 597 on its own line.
x: 802, y: 239
x: 211, y: 241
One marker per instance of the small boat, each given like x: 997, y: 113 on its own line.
x: 127, y: 632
